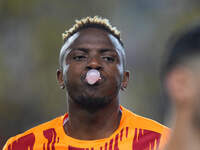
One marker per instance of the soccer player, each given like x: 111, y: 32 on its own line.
x: 93, y: 71
x: 182, y: 81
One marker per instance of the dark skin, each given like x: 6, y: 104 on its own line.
x: 94, y: 111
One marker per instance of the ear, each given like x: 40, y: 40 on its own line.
x: 60, y: 78
x: 125, y: 80
x: 180, y: 85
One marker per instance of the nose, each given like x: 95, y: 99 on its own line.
x: 94, y: 63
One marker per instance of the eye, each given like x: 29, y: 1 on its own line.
x: 79, y: 58
x: 109, y: 58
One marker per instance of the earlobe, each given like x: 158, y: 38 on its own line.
x: 125, y: 80
x: 60, y: 78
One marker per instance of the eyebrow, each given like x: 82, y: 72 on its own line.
x: 102, y: 50
x: 81, y: 49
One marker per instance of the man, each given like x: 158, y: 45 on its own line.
x: 93, y: 70
x: 182, y: 81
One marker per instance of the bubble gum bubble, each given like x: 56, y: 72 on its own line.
x: 92, y: 76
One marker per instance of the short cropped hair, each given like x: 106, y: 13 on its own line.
x: 182, y: 48
x: 96, y: 22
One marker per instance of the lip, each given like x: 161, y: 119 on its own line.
x: 83, y: 79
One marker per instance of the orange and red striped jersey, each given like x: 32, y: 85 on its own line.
x: 134, y: 133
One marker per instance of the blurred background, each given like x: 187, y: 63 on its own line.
x: 30, y: 40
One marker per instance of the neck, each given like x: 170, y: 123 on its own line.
x: 185, y: 135
x: 85, y: 125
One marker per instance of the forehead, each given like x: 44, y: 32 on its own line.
x: 94, y: 38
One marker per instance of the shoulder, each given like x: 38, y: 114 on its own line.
x: 146, y: 127
x: 42, y: 127
x: 30, y: 135
x: 141, y: 122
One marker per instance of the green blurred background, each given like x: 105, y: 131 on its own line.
x: 30, y: 40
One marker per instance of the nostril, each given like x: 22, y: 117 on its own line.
x: 88, y: 67
x: 98, y: 68
x: 94, y: 67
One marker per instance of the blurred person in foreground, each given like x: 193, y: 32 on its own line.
x: 92, y: 70
x: 182, y: 81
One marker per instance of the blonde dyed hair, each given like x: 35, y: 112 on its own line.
x: 97, y: 22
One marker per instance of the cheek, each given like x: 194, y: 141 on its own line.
x: 117, y: 75
x: 73, y: 72
x: 70, y: 72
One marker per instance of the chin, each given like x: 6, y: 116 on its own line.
x: 92, y: 104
